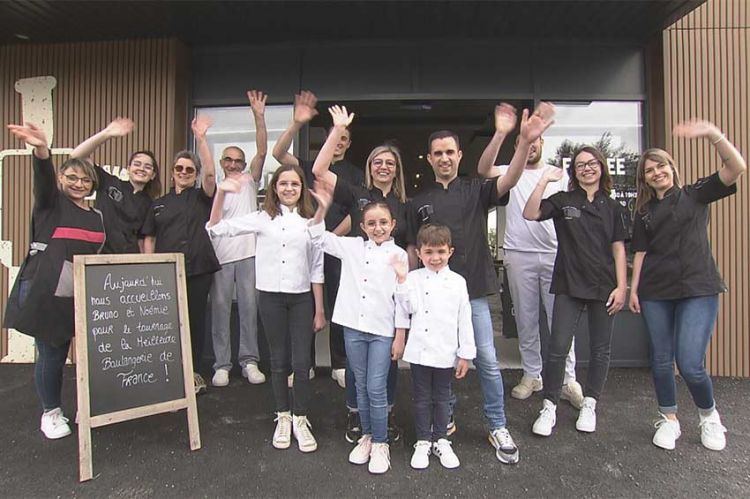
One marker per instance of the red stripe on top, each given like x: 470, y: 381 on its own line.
x: 89, y: 236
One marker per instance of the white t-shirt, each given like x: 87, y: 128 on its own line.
x: 233, y: 249
x: 522, y: 234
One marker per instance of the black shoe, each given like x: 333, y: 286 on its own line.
x: 394, y: 432
x: 353, y: 427
x: 451, y: 428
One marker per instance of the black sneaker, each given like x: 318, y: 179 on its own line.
x: 394, y: 432
x: 353, y: 427
x: 451, y: 428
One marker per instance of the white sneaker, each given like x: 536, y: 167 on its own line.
x: 361, y: 453
x: 506, y: 450
x: 667, y: 433
x: 282, y: 436
x: 54, y: 425
x: 546, y: 420
x: 380, y: 459
x: 573, y: 393
x: 443, y: 449
x: 712, y: 432
x: 420, y: 460
x: 339, y: 376
x: 526, y: 387
x: 221, y: 378
x: 302, y: 430
x: 253, y: 374
x: 587, y: 417
x: 290, y: 378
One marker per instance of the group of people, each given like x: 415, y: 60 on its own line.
x: 406, y: 279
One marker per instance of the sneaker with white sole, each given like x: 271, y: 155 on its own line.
x: 302, y: 430
x: 54, y: 424
x: 444, y: 450
x: 282, y: 435
x: 506, y: 450
x: 667, y: 433
x: 361, y: 453
x: 451, y: 428
x: 353, y: 427
x: 253, y: 374
x: 380, y: 459
x: 199, y: 383
x: 339, y: 376
x: 586, y: 421
x: 573, y: 393
x: 546, y: 419
x: 221, y: 378
x: 526, y: 387
x: 420, y: 460
x: 713, y: 432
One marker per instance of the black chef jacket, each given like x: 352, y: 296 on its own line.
x: 344, y: 170
x: 463, y: 207
x: 672, y: 232
x: 178, y: 221
x: 584, y: 265
x: 123, y: 210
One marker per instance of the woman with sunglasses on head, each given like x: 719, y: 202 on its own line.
x: 41, y: 302
x: 175, y: 223
x: 676, y: 283
x: 384, y: 180
x: 123, y: 203
x: 589, y: 277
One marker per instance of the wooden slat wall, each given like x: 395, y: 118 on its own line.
x: 142, y: 79
x: 706, y: 75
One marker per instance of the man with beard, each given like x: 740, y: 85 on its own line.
x: 530, y: 249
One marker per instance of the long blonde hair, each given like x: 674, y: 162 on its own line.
x: 398, y: 187
x: 645, y: 193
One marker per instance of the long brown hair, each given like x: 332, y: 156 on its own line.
x: 645, y: 193
x: 605, y: 181
x: 271, y: 204
x: 153, y: 186
x: 398, y: 187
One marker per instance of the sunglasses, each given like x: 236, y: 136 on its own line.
x: 189, y: 170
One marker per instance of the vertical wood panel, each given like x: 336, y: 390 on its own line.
x: 706, y: 74
x: 95, y: 83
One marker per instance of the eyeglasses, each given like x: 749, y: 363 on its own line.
x: 74, y: 179
x: 388, y: 162
x: 592, y: 164
x: 189, y: 170
x: 145, y: 166
x: 227, y: 159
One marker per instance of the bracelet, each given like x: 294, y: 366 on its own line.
x: 719, y: 139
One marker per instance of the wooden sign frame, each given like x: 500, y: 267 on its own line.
x: 85, y: 421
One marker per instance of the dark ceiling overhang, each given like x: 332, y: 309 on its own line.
x: 224, y: 22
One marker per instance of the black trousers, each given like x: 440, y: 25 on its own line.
x: 332, y: 273
x: 198, y: 287
x: 288, y: 324
x: 566, y: 315
x: 431, y: 397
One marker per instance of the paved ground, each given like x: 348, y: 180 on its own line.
x: 151, y: 457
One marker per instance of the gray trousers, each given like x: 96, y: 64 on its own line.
x: 530, y: 276
x: 242, y: 275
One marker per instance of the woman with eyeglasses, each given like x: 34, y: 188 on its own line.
x: 175, y: 223
x: 41, y: 302
x: 123, y: 203
x: 676, y: 283
x: 384, y: 179
x: 589, y: 278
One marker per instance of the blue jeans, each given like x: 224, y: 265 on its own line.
x: 369, y: 357
x: 351, y: 389
x: 488, y: 369
x: 680, y: 330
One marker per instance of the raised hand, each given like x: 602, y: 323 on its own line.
x: 30, y: 134
x: 323, y: 194
x: 304, y: 107
x: 119, y: 127
x: 695, y: 128
x: 200, y: 125
x: 400, y: 266
x: 552, y: 174
x: 505, y: 118
x: 229, y: 185
x: 257, y: 101
x: 532, y: 127
x: 340, y: 116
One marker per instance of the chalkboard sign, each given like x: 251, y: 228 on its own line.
x: 132, y: 342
